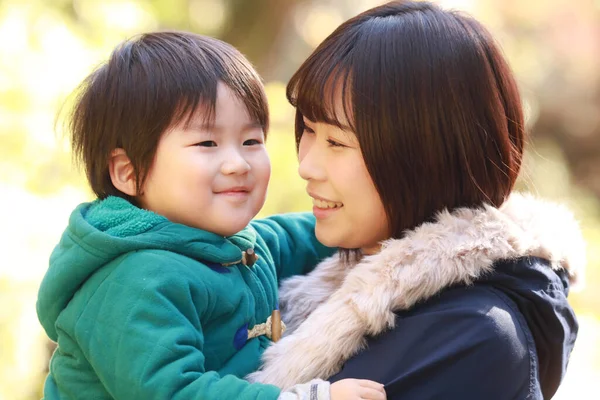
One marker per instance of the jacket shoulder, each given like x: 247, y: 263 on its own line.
x: 467, y: 342
x: 139, y: 277
x: 157, y: 261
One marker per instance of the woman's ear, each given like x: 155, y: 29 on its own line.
x: 121, y: 172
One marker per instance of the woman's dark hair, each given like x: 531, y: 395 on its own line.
x: 433, y: 104
x: 150, y: 83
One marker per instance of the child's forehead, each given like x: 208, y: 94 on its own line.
x: 223, y: 106
x: 206, y: 118
x: 200, y: 115
x: 203, y: 115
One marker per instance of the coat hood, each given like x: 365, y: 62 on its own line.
x: 540, y: 293
x: 101, y: 231
x: 333, y: 309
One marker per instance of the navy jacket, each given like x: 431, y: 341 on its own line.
x: 508, y: 336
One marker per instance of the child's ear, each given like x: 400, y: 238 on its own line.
x: 121, y: 172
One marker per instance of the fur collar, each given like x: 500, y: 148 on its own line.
x: 330, y: 311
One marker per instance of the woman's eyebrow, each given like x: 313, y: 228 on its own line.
x: 342, y: 126
x: 345, y: 127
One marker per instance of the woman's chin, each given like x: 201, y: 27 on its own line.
x: 328, y: 239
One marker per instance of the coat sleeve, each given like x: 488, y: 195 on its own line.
x: 479, y: 349
x: 291, y: 241
x: 143, y: 336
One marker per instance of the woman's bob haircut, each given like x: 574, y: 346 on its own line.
x: 433, y: 104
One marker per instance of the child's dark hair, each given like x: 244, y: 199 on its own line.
x: 149, y: 83
x: 433, y: 103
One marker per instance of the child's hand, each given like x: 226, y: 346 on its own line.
x: 355, y: 389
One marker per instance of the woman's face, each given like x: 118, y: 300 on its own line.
x: 347, y: 206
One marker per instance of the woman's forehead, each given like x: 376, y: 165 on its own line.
x: 332, y: 103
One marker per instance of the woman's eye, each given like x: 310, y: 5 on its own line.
x: 306, y: 128
x: 252, y: 142
x: 207, y: 143
x: 333, y: 143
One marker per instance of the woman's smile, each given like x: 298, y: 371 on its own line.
x: 322, y: 208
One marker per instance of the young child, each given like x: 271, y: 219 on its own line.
x: 162, y: 288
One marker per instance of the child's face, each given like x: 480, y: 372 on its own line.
x: 212, y: 178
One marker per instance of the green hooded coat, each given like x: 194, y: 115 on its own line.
x: 143, y: 308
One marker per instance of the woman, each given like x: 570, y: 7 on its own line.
x: 410, y: 135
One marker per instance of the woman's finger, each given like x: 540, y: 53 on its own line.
x: 368, y: 393
x: 369, y: 383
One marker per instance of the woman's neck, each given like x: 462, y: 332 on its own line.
x: 370, y: 250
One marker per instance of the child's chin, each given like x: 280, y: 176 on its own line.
x: 231, y: 229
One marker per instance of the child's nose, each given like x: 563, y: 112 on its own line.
x: 235, y: 163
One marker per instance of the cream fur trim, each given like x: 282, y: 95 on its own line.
x: 330, y: 311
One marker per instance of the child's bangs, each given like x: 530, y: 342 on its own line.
x: 251, y: 92
x: 200, y: 103
x: 190, y: 75
x: 197, y: 106
x: 179, y: 79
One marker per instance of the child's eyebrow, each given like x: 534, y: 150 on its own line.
x: 205, y: 127
x: 252, y: 126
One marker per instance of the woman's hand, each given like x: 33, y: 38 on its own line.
x: 351, y: 389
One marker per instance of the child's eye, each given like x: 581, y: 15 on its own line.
x: 207, y: 143
x: 252, y: 142
x: 333, y: 143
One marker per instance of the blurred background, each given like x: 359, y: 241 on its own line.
x: 48, y: 46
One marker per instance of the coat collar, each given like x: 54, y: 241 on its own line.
x: 336, y: 306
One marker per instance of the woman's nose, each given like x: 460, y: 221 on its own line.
x: 310, y: 166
